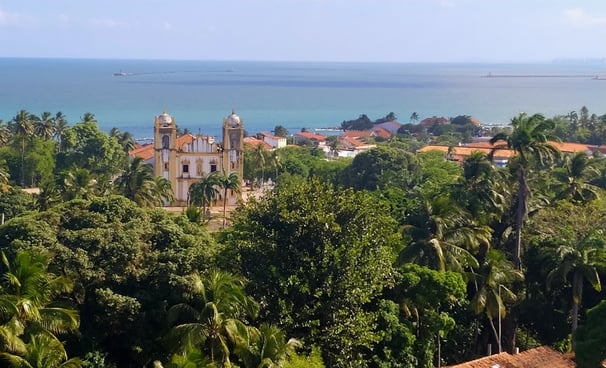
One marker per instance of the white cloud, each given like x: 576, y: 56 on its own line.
x: 106, y: 23
x: 8, y: 19
x: 580, y: 17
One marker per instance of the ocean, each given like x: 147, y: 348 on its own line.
x: 296, y: 95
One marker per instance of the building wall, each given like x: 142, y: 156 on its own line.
x: 185, y: 160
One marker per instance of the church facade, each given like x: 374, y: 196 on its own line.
x: 186, y: 159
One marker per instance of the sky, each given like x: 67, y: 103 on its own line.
x: 306, y: 30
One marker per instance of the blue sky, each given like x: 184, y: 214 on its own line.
x: 305, y: 30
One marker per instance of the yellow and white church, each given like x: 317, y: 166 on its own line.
x: 186, y: 159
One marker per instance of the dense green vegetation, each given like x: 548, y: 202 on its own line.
x: 392, y: 259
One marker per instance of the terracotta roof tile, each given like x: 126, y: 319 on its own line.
x: 356, y: 133
x: 145, y: 152
x: 254, y: 143
x: 381, y: 132
x: 465, y: 151
x: 312, y: 136
x: 540, y: 357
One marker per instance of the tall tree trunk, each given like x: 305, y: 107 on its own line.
x: 497, y: 338
x: 577, y: 294
x: 224, y: 208
x: 520, y: 215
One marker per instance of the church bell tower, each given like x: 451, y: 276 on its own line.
x: 165, y: 140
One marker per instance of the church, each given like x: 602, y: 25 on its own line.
x: 186, y: 159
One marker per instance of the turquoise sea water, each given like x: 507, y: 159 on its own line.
x: 296, y: 95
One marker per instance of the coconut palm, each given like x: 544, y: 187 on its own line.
x: 479, y: 190
x: 78, y: 183
x: 125, y: 139
x: 216, y: 314
x: 276, y: 162
x: 45, y: 126
x: 5, y: 133
x: 260, y: 158
x: 88, y: 118
x: 442, y: 235
x: 530, y: 141
x: 205, y: 191
x: 49, y: 195
x: 266, y: 348
x: 164, y: 189
x: 138, y: 184
x: 42, y: 351
x: 231, y: 183
x: 30, y: 291
x: 191, y: 357
x: 23, y: 127
x: 414, y: 117
x: 61, y: 127
x: 491, y: 282
x: 575, y: 176
x: 581, y: 260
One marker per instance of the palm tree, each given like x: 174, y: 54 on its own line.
x: 267, y: 348
x: 45, y: 126
x: 204, y: 192
x: 575, y: 176
x: 42, y: 351
x: 61, y: 127
x: 442, y: 235
x: 260, y: 158
x: 229, y: 182
x: 88, y: 118
x: 49, y: 195
x: 582, y: 259
x: 5, y: 133
x: 164, y: 189
x: 414, y: 117
x: 479, y: 190
x: 125, y: 139
x: 78, y: 183
x: 276, y: 162
x: 491, y: 282
x: 23, y: 128
x: 215, y: 316
x: 191, y: 357
x: 138, y: 184
x: 31, y: 291
x: 529, y: 140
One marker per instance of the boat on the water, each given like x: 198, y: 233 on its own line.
x: 121, y: 74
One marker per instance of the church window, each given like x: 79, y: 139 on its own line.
x: 165, y: 142
x: 166, y: 166
x: 186, y: 168
x: 213, y: 167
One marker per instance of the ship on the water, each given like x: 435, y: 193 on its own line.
x: 122, y: 74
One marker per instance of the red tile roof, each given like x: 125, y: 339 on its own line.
x: 541, y: 357
x: 381, y: 132
x: 312, y: 136
x: 254, y: 143
x: 147, y: 151
x: 270, y: 136
x: 356, y: 133
x: 465, y: 151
